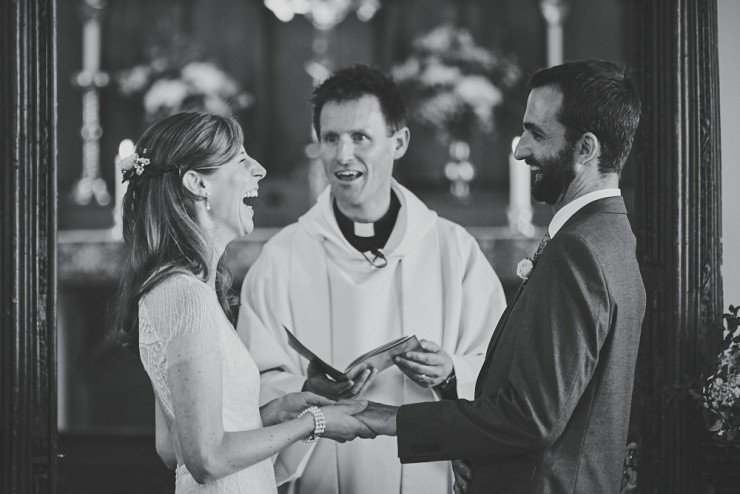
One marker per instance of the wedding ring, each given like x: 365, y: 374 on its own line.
x: 422, y: 377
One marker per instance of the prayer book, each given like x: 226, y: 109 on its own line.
x: 379, y: 358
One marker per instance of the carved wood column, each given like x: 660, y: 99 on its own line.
x: 27, y: 246
x: 678, y: 225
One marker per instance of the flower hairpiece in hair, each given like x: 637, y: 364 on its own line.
x: 133, y: 164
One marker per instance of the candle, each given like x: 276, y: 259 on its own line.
x: 519, y: 181
x: 554, y: 12
x: 520, y: 202
x: 91, y: 46
x: 125, y: 148
x: 554, y: 45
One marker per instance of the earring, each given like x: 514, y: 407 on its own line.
x: 208, y: 206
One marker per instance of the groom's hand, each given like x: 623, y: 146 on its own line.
x: 317, y: 382
x: 380, y: 418
x: 427, y: 367
x: 463, y: 476
x: 341, y: 421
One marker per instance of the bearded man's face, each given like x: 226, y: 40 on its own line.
x: 544, y: 146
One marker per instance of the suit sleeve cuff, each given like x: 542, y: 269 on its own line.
x: 418, y: 429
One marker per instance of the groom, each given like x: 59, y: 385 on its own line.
x: 552, y: 400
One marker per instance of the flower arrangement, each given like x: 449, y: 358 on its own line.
x: 177, y: 81
x: 452, y: 85
x: 719, y: 399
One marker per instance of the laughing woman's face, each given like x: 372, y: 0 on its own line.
x: 233, y: 187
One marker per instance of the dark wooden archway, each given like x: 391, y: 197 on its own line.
x: 678, y: 225
x: 27, y: 246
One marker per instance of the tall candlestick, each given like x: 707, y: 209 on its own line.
x: 90, y: 79
x: 520, y: 201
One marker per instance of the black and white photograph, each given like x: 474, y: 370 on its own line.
x: 370, y: 247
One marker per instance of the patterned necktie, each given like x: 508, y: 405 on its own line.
x: 541, y: 247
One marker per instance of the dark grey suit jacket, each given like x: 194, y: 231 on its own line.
x: 553, y: 397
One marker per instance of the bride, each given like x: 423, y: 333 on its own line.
x: 190, y: 183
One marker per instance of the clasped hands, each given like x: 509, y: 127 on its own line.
x: 346, y: 419
x: 349, y: 419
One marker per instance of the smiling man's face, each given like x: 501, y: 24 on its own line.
x: 358, y: 150
x: 544, y: 147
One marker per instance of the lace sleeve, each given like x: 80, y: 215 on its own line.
x: 184, y: 312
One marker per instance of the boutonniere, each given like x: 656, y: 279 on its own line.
x: 524, y: 268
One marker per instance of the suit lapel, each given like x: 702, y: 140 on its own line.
x: 502, y: 322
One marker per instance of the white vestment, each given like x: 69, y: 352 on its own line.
x: 437, y: 285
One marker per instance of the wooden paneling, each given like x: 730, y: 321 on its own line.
x: 27, y: 246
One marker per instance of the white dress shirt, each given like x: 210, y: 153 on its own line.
x: 562, y: 216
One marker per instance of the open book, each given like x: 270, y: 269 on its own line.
x: 379, y: 358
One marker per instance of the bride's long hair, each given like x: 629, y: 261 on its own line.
x: 159, y: 226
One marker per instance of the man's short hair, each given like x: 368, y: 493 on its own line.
x: 598, y: 97
x: 352, y: 83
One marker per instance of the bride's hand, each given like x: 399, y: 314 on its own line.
x: 289, y: 406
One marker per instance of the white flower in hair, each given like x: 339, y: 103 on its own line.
x: 133, y: 163
x: 139, y: 164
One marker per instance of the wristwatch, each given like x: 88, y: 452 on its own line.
x: 447, y: 383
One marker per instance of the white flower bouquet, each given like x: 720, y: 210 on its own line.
x: 175, y: 82
x: 452, y: 85
x: 719, y: 399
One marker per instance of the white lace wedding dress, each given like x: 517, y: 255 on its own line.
x: 179, y: 317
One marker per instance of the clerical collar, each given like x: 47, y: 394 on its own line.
x: 368, y: 236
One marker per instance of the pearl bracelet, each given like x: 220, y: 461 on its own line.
x: 319, y: 423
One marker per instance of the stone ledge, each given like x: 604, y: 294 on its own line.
x: 95, y: 257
